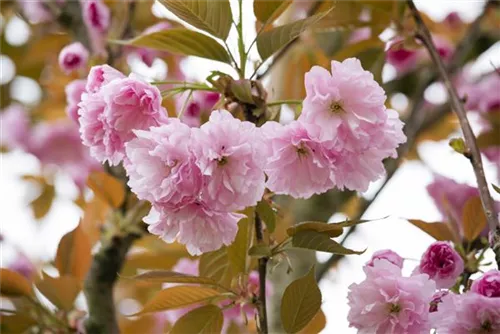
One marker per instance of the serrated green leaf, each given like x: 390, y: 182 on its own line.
x: 332, y: 230
x: 215, y: 265
x: 438, y: 230
x: 260, y: 251
x: 202, y: 320
x: 165, y: 276
x: 267, y: 214
x: 238, y: 250
x: 458, y: 145
x: 242, y: 90
x: 178, y: 297
x: 273, y: 40
x: 300, y: 303
x: 181, y: 41
x: 214, y: 17
x: 473, y: 218
x: 266, y: 11
x: 496, y: 188
x: 320, y: 242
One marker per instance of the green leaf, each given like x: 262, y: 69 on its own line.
x: 320, y: 242
x: 242, y: 90
x: 438, y: 230
x: 267, y: 214
x: 316, y: 325
x: 332, y: 230
x: 215, y: 265
x: 496, y: 188
x: 214, y: 17
x: 300, y: 303
x: 266, y: 11
x: 203, y: 320
x: 178, y: 297
x: 260, y: 251
x: 182, y: 41
x: 355, y: 49
x: 458, y: 145
x: 165, y: 276
x: 238, y: 250
x: 473, y: 218
x: 273, y: 40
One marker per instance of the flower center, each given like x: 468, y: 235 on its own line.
x: 336, y: 107
x: 222, y: 161
x: 394, y: 308
x: 486, y: 326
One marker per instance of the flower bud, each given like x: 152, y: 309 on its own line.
x: 73, y: 57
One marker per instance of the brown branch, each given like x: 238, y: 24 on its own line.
x: 470, y: 139
x: 262, y: 309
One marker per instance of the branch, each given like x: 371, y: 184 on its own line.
x: 263, y: 327
x: 470, y: 140
x: 98, y: 287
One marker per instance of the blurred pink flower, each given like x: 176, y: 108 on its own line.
x: 453, y: 20
x: 73, y: 57
x: 35, y: 10
x: 386, y: 255
x: 74, y: 91
x: 15, y: 127
x: 295, y: 165
x: 442, y: 263
x: 450, y: 198
x: 195, y: 225
x: 488, y: 285
x: 59, y: 144
x: 467, y: 313
x: 96, y: 16
x: 386, y: 302
x: 227, y: 152
x: 23, y: 265
x: 403, y: 59
x: 161, y: 167
x: 109, y: 116
x: 199, y: 106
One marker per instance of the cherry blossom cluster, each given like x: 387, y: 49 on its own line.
x: 198, y: 178
x: 389, y: 302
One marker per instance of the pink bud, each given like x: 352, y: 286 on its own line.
x: 387, y: 255
x: 73, y: 57
x: 442, y: 263
x: 96, y: 15
x: 488, y: 285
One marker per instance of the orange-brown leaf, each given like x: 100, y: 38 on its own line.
x: 61, y: 291
x: 473, y: 218
x: 13, y: 284
x: 74, y: 254
x: 438, y: 230
x: 107, y: 187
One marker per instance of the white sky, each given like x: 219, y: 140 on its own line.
x: 405, y: 196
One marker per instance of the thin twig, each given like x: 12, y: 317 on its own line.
x: 263, y: 327
x: 474, y: 154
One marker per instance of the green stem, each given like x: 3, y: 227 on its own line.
x: 184, y: 106
x: 280, y: 102
x: 241, y: 44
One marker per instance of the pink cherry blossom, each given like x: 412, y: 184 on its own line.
x: 108, y: 116
x: 386, y: 302
x: 442, y: 263
x: 347, y: 96
x: 23, y: 265
x: 35, y: 10
x: 74, y: 91
x: 295, y: 165
x: 467, y: 313
x: 195, y: 225
x: 386, y: 255
x: 227, y: 152
x: 15, y: 125
x: 161, y: 167
x: 101, y: 75
x: 73, y: 57
x: 198, y: 107
x: 59, y: 144
x: 450, y: 198
x: 488, y: 285
x: 403, y: 59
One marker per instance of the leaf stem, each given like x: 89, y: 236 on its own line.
x: 184, y: 106
x: 470, y: 139
x: 241, y: 43
x: 280, y: 102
